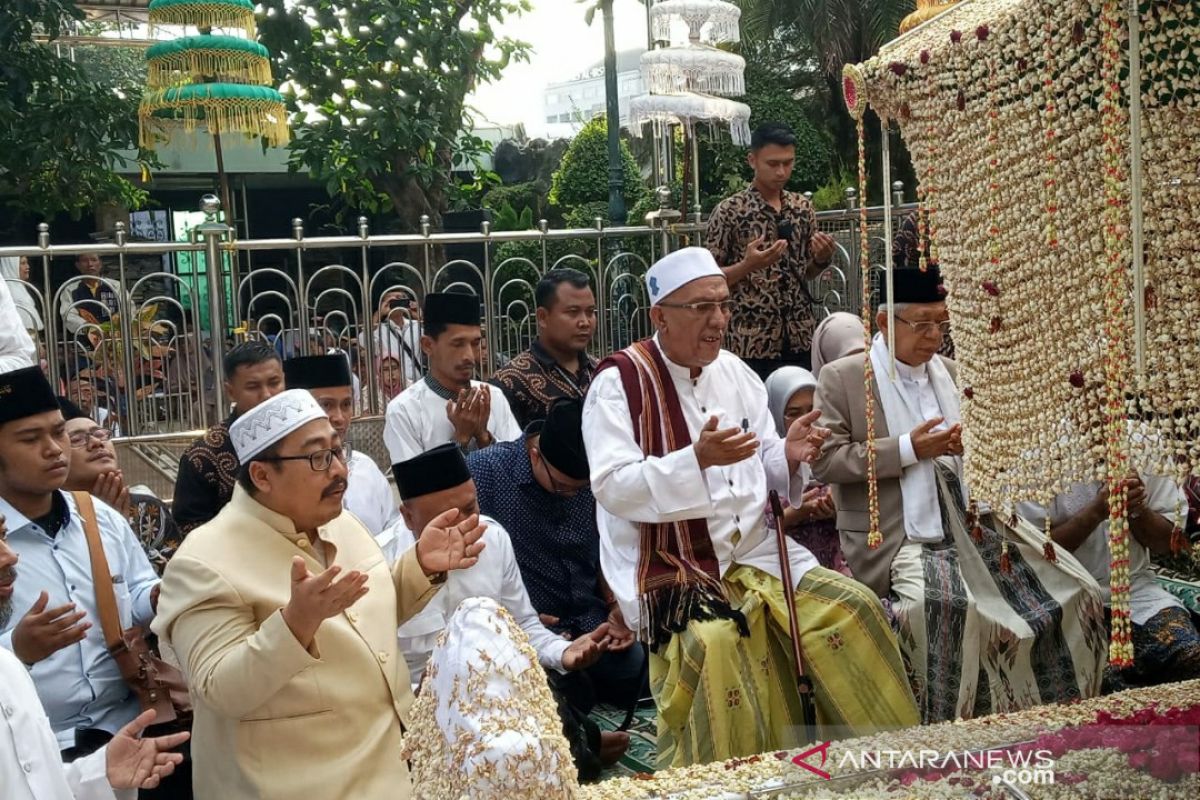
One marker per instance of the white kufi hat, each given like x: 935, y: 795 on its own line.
x: 271, y: 420
x: 676, y: 269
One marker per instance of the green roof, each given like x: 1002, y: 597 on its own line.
x: 206, y: 42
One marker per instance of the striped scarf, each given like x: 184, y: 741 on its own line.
x: 679, y: 576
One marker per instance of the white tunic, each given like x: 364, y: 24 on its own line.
x: 369, y: 496
x: 16, y: 348
x: 30, y: 766
x: 631, y: 488
x: 1146, y: 596
x: 495, y: 575
x: 416, y: 421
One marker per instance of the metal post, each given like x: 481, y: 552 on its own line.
x: 302, y: 300
x: 616, y: 171
x: 489, y: 319
x: 656, y: 171
x: 426, y: 227
x: 126, y: 333
x: 49, y: 323
x: 1135, y: 188
x: 885, y: 130
x: 898, y: 193
x: 368, y: 313
x: 212, y: 231
x: 695, y: 177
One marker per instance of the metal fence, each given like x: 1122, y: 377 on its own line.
x: 149, y: 352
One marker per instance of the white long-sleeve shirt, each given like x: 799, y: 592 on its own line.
x: 16, y: 348
x: 30, y: 765
x: 495, y: 575
x: 369, y: 496
x: 416, y: 421
x: 631, y: 488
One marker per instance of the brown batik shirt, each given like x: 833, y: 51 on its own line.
x: 533, y: 380
x: 773, y: 314
x: 207, y: 474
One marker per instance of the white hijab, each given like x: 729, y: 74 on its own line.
x: 838, y: 335
x: 10, y: 273
x: 781, y: 385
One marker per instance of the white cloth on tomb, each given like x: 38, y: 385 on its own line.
x: 416, y: 421
x: 272, y: 420
x: 917, y: 394
x: 30, y: 765
x: 1146, y: 596
x: 495, y: 575
x: 368, y: 495
x: 678, y: 268
x: 631, y: 488
x: 16, y: 348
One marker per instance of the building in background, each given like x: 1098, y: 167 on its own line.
x: 569, y: 105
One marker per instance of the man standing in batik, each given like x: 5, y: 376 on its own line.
x: 987, y: 623
x: 683, y: 451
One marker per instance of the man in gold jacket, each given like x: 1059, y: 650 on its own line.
x: 298, y: 687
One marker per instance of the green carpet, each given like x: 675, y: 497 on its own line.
x: 643, y: 747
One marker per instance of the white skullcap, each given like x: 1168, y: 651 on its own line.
x: 485, y: 725
x: 271, y: 420
x: 675, y: 269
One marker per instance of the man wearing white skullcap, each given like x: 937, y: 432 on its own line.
x: 683, y: 450
x: 298, y: 684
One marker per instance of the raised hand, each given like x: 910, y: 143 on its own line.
x: 41, y: 633
x: 760, y: 255
x: 720, y: 448
x: 805, y: 439
x: 316, y: 598
x: 620, y: 637
x: 110, y: 487
x: 469, y: 414
x: 820, y: 246
x: 587, y: 649
x: 928, y: 443
x: 136, y: 763
x: 449, y: 542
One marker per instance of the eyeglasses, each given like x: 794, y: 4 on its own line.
x: 320, y: 460
x: 704, y: 309
x: 80, y: 439
x: 923, y: 328
x: 556, y: 488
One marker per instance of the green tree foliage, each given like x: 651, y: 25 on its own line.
x: 378, y: 93
x: 63, y: 132
x: 583, y: 175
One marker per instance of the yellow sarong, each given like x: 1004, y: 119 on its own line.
x: 721, y: 695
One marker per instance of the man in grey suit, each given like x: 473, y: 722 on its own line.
x: 986, y: 623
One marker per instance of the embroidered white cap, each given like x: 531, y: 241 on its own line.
x: 676, y: 269
x: 271, y: 420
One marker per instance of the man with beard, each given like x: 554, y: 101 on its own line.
x: 447, y: 405
x: 30, y: 765
x: 77, y: 678
x: 299, y: 686
x: 329, y: 380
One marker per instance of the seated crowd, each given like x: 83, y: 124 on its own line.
x: 618, y: 509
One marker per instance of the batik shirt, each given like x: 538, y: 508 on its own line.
x: 773, y: 311
x: 534, y: 380
x: 207, y: 474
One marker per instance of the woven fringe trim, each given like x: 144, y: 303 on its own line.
x: 195, y: 66
x: 724, y: 29
x: 668, y: 611
x: 926, y: 12
x: 262, y: 118
x: 203, y: 15
x: 664, y: 79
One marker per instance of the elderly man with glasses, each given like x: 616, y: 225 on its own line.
x: 961, y: 583
x: 284, y: 614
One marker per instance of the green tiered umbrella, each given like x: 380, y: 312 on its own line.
x: 217, y: 83
x: 204, y: 13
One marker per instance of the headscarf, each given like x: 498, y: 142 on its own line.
x: 781, y: 385
x: 389, y: 392
x: 839, y: 335
x: 10, y: 272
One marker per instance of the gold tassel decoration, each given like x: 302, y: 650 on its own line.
x: 200, y: 14
x: 254, y: 117
x: 224, y: 66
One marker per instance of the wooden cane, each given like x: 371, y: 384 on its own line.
x: 803, y: 683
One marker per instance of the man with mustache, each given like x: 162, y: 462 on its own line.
x: 328, y: 378
x: 30, y: 764
x: 59, y: 637
x: 94, y: 469
x: 447, y: 405
x: 284, y: 613
x: 683, y: 449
